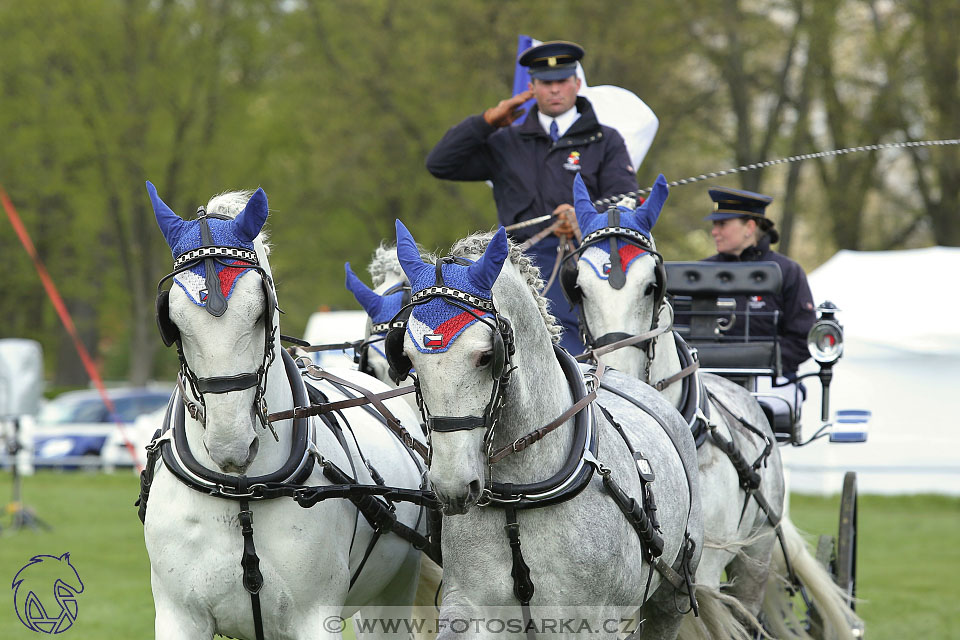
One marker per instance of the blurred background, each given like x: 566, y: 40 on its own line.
x: 331, y: 107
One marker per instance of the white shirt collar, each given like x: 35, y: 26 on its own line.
x: 564, y: 120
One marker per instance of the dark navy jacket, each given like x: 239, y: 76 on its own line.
x: 532, y: 175
x: 794, y: 302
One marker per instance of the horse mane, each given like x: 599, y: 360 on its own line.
x: 476, y: 244
x: 231, y: 203
x: 385, y: 261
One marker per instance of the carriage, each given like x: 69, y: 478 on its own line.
x: 711, y: 300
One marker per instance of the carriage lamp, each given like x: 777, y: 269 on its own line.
x: 825, y: 340
x: 825, y: 343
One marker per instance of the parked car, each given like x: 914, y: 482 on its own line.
x: 72, y: 428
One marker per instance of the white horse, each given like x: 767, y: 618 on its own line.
x: 223, y: 319
x: 621, y: 295
x: 482, y: 343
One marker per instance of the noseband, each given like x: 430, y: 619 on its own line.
x: 216, y: 305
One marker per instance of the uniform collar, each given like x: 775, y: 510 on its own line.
x: 564, y: 121
x: 587, y: 122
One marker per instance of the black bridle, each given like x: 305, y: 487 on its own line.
x: 216, y: 305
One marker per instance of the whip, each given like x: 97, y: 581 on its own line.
x: 752, y: 167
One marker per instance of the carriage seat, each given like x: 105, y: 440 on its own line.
x: 780, y: 415
x: 705, y: 295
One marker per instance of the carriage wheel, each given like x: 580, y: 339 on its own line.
x: 846, y: 558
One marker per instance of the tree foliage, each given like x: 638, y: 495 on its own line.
x: 332, y: 106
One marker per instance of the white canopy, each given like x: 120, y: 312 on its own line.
x: 899, y: 311
x: 903, y: 300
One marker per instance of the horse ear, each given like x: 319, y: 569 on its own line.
x: 66, y: 557
x: 649, y: 211
x: 483, y: 273
x: 368, y: 299
x: 582, y: 203
x: 171, y: 225
x: 250, y: 221
x: 409, y: 256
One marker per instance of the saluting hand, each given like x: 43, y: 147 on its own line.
x: 507, y: 111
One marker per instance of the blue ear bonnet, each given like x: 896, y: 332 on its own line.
x: 642, y: 219
x: 436, y: 323
x: 380, y: 307
x: 184, y: 235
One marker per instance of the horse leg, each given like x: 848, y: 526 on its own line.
x: 662, y: 615
x: 175, y: 623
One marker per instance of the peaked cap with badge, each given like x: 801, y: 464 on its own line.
x: 553, y: 60
x: 737, y: 203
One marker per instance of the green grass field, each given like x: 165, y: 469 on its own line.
x: 908, y: 564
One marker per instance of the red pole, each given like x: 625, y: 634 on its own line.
x: 67, y: 321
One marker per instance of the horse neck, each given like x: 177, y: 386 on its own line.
x: 537, y: 393
x: 666, y: 362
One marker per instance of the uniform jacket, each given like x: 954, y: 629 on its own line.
x: 794, y: 302
x: 531, y: 174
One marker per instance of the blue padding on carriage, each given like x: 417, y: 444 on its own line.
x: 850, y: 425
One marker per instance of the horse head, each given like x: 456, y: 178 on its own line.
x: 382, y: 305
x: 618, y: 280
x: 223, y: 321
x: 458, y: 348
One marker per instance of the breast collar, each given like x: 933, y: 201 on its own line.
x: 178, y: 458
x: 576, y: 472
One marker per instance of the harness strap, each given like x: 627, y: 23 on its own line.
x: 330, y: 407
x: 525, y: 441
x: 250, y: 561
x: 377, y: 401
x: 146, y: 479
x: 631, y: 341
x: 680, y: 375
x: 523, y: 587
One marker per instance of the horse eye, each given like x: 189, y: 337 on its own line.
x: 650, y: 288
x: 485, y: 359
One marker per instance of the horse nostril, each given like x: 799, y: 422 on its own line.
x: 254, y: 447
x: 473, y: 491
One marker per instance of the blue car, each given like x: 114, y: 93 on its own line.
x: 72, y: 428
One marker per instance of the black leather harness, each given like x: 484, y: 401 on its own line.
x: 373, y: 502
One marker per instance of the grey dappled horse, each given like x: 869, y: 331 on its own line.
x: 620, y: 288
x: 489, y: 373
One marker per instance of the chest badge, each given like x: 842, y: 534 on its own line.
x: 573, y: 161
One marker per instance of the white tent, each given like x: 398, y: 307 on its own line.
x: 900, y: 311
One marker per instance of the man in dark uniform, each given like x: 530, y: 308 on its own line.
x: 532, y: 165
x: 743, y: 233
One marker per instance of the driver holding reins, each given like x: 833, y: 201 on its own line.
x: 532, y: 165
